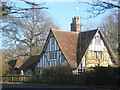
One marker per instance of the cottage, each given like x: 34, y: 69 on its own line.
x: 79, y: 50
x: 14, y: 66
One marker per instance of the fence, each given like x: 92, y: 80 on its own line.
x: 14, y: 78
x: 38, y: 79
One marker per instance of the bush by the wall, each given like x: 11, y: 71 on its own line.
x: 102, y: 76
x: 58, y: 74
x: 105, y: 76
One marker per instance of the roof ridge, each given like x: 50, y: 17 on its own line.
x: 91, y: 30
x: 74, y: 32
x: 63, y: 31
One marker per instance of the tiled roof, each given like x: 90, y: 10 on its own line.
x: 67, y: 42
x: 15, y: 63
x: 30, y: 62
x: 18, y: 64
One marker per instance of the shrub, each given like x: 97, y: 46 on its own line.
x: 106, y: 76
x: 102, y: 76
x: 58, y: 74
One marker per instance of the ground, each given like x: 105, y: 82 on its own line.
x: 53, y: 87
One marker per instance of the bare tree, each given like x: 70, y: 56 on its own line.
x: 100, y: 7
x: 110, y: 28
x: 8, y: 9
x: 26, y: 36
x: 89, y: 26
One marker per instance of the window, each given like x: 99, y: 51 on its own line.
x: 52, y: 40
x: 97, y: 39
x: 53, y: 55
x: 62, y: 58
x: 52, y: 44
x: 95, y: 54
x: 98, y: 54
x: 52, y: 47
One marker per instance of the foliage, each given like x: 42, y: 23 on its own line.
x: 102, y: 76
x: 58, y: 74
x: 4, y: 68
x: 57, y: 70
x: 97, y: 76
x: 105, y: 76
x: 16, y: 78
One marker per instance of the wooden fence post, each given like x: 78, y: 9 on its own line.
x: 11, y: 78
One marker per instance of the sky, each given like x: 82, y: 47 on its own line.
x: 63, y: 12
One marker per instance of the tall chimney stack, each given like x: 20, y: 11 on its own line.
x: 75, y: 25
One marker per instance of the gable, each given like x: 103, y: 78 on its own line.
x: 84, y: 41
x: 98, y: 50
x: 97, y: 43
x: 97, y: 47
x: 51, y: 55
x: 100, y: 43
x: 15, y: 63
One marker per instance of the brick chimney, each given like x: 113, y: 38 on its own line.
x: 75, y: 25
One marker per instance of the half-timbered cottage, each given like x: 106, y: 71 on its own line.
x: 79, y: 50
x: 14, y: 66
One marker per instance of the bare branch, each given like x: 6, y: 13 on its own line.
x: 99, y: 7
x: 27, y: 34
x: 2, y: 13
